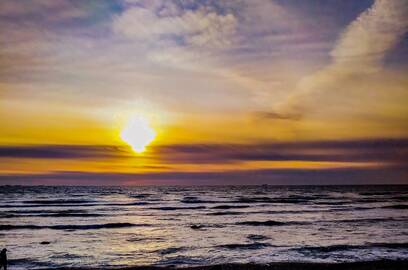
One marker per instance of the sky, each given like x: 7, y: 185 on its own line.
x: 230, y: 91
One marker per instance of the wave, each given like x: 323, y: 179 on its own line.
x: 203, y: 226
x: 269, y: 223
x: 71, y: 205
x: 365, y: 220
x: 67, y: 256
x: 308, y: 211
x: 203, y: 263
x: 171, y: 208
x: 383, y: 199
x: 48, y: 205
x: 70, y: 227
x: 29, y: 263
x: 225, y: 207
x: 140, y: 196
x: 41, y: 205
x: 3, y: 215
x: 45, y: 213
x: 171, y: 250
x: 257, y: 237
x: 179, y: 260
x: 140, y: 238
x: 16, y: 227
x: 197, y: 226
x: 58, y: 201
x: 400, y: 198
x: 371, y: 200
x: 375, y: 193
x: 255, y: 245
x: 332, y: 202
x: 335, y: 248
x: 396, y: 206
x: 227, y: 213
x: 293, y: 200
x: 390, y: 245
x: 52, y: 215
x: 69, y: 215
x: 191, y: 199
x: 131, y: 203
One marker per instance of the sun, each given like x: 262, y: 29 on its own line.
x: 138, y: 133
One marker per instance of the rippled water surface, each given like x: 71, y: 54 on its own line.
x: 118, y: 226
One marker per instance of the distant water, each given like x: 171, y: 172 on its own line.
x: 46, y: 227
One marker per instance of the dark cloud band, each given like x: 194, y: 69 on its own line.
x: 393, y: 151
x: 333, y: 176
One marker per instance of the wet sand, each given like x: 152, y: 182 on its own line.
x: 369, y: 265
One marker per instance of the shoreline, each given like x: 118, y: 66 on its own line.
x: 363, y: 265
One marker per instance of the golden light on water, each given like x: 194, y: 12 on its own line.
x: 138, y: 133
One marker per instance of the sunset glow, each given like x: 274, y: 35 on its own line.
x: 229, y: 92
x: 204, y: 134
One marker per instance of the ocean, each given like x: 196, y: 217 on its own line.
x: 50, y: 227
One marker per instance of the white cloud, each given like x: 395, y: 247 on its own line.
x: 366, y: 40
x: 356, y: 58
x: 198, y: 28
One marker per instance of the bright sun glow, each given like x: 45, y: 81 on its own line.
x: 138, y: 133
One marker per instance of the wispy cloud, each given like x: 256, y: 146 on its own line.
x: 271, y: 115
x: 357, y: 55
x: 366, y: 41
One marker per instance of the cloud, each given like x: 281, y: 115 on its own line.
x: 385, y: 151
x: 344, y: 176
x: 229, y: 58
x: 63, y: 152
x: 200, y: 28
x: 270, y: 115
x: 356, y: 60
x: 388, y: 159
x: 369, y: 38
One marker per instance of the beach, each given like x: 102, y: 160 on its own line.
x: 370, y: 265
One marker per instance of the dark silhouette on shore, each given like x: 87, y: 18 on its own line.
x: 3, y: 259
